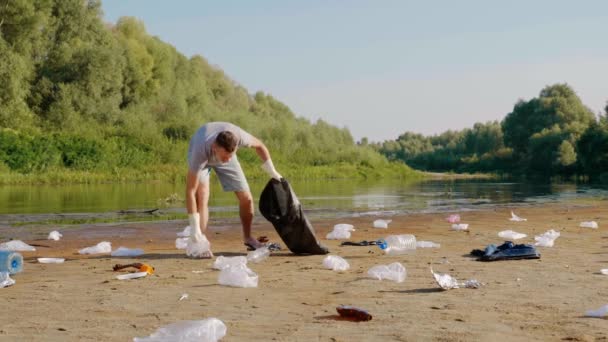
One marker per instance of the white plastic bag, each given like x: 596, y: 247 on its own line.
x: 258, y: 255
x: 447, y: 282
x: 51, y: 260
x: 6, y: 280
x: 604, y: 271
x: 589, y: 224
x: 427, y: 244
x: 511, y: 235
x: 54, y: 235
x: 181, y: 243
x: 184, y: 233
x: 207, y: 330
x: 395, y: 272
x: 134, y: 275
x: 382, y: 223
x: 546, y: 239
x: 17, y: 246
x: 335, y: 263
x: 454, y: 218
x: 341, y: 231
x: 601, y: 312
x: 460, y: 226
x: 238, y: 276
x: 222, y: 262
x: 198, y: 249
x: 102, y: 247
x: 516, y: 218
x: 127, y: 252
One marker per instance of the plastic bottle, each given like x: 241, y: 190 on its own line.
x: 11, y: 262
x: 398, y: 244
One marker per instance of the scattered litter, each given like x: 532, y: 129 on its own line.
x: 589, y: 224
x: 395, y: 272
x: 341, y: 231
x: 454, y: 218
x: 398, y: 244
x: 447, y: 282
x: 601, y: 312
x: 185, y: 233
x: 511, y: 235
x: 427, y: 244
x: 382, y: 223
x: 184, y: 296
x: 353, y: 313
x: 181, y: 243
x: 460, y: 226
x: 102, y: 247
x: 222, y: 262
x: 11, y: 262
x: 127, y: 252
x: 335, y: 263
x: 137, y: 265
x: 258, y: 255
x: 238, y: 276
x: 516, y: 218
x: 207, y: 330
x: 604, y: 271
x: 51, y: 260
x: 6, y: 280
x: 546, y: 239
x: 17, y: 246
x: 55, y: 235
x: 131, y: 275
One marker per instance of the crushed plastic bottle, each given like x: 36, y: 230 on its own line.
x: 207, y: 330
x: 398, y: 244
x: 395, y: 272
x: 258, y: 255
x: 238, y: 276
x: 10, y: 262
x: 335, y: 263
x: 427, y: 244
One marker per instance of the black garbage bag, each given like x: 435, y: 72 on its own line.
x: 506, y: 251
x: 279, y: 205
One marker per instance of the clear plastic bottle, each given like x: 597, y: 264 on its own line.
x: 11, y: 262
x: 398, y: 244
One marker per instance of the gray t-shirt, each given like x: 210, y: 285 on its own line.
x: 199, y: 151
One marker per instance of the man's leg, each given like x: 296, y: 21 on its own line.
x: 246, y: 213
x: 202, y: 205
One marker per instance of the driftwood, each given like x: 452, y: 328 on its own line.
x: 149, y: 211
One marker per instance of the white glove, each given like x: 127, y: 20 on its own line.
x: 195, y: 227
x: 270, y: 170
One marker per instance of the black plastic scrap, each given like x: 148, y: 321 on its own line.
x: 506, y: 251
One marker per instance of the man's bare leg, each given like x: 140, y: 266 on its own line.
x: 246, y: 213
x: 202, y: 206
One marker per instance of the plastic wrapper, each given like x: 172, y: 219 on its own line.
x: 460, y: 226
x: 258, y: 255
x: 516, y: 218
x: 335, y: 263
x: 382, y: 223
x: 102, y: 247
x: 134, y: 275
x: 238, y: 276
x: 207, y: 330
x: 546, y: 239
x: 6, y: 280
x: 511, y: 235
x: 222, y: 262
x: 17, y: 246
x: 54, y: 235
x: 589, y: 224
x: 395, y: 272
x: 127, y: 252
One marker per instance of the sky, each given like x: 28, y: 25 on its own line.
x: 383, y: 67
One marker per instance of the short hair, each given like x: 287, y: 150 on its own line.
x: 227, y: 140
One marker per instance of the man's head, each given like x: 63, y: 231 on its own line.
x: 226, y: 143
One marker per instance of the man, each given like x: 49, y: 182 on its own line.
x: 214, y: 146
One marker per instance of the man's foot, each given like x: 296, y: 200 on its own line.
x: 253, y: 244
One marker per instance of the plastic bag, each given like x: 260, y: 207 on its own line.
x: 181, y: 243
x: 51, y: 260
x: 6, y: 280
x: 17, y: 246
x: 134, y: 275
x: 460, y: 226
x: 102, y: 247
x: 382, y: 223
x: 454, y: 218
x: 447, y: 282
x: 54, y: 235
x: 604, y: 271
x: 511, y: 235
x: 127, y: 252
x: 427, y: 244
x: 238, y: 276
x: 222, y: 262
x: 546, y: 239
x: 207, y: 330
x: 335, y: 263
x: 198, y: 249
x: 395, y: 272
x: 516, y: 218
x: 589, y: 224
x: 341, y: 231
x: 601, y: 312
x: 258, y: 255
x: 185, y: 233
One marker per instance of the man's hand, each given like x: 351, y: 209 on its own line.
x: 270, y: 170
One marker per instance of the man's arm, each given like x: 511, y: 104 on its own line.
x: 263, y: 153
x: 191, y: 186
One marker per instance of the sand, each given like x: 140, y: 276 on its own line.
x: 296, y: 300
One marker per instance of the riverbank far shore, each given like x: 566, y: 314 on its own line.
x: 296, y: 299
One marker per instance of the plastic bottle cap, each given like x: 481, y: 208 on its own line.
x: 382, y: 244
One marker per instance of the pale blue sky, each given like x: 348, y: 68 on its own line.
x: 381, y: 68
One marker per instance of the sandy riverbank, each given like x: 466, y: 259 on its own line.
x: 524, y: 300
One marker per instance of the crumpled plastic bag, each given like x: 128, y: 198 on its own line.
x: 102, y: 247
x: 395, y: 272
x: 185, y: 232
x: 222, y: 262
x: 54, y: 235
x: 341, y: 231
x: 198, y: 249
x: 447, y: 282
x: 17, y: 246
x: 207, y: 330
x: 601, y: 312
x: 258, y: 255
x: 6, y: 280
x: 238, y: 276
x: 589, y: 224
x: 181, y: 242
x: 546, y: 239
x: 511, y: 235
x: 454, y: 218
x: 127, y: 252
x: 335, y: 263
x: 460, y: 226
x: 604, y: 271
x: 382, y: 223
x: 516, y: 218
